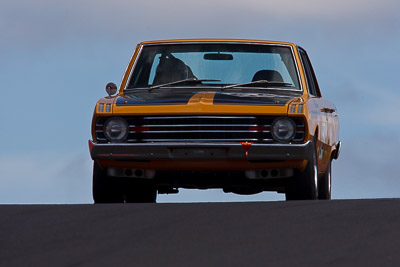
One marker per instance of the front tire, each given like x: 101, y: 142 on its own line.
x: 304, y: 185
x: 105, y: 189
x: 120, y: 190
x: 325, y: 184
x: 141, y: 192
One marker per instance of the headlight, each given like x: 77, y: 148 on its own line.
x: 116, y: 129
x: 283, y: 129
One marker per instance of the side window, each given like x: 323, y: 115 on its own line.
x: 311, y: 80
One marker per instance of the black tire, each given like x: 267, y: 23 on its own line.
x: 105, y: 189
x: 325, y: 183
x: 303, y: 186
x: 141, y: 192
x: 119, y: 190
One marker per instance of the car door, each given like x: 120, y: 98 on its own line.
x: 324, y: 109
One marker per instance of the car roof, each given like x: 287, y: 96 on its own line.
x: 208, y: 40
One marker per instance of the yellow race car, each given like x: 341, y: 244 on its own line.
x: 243, y: 115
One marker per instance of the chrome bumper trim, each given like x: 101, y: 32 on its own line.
x: 199, y: 151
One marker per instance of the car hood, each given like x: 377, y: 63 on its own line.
x: 141, y: 98
x: 201, y: 102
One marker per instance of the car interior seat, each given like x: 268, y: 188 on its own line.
x: 171, y: 69
x: 269, y: 75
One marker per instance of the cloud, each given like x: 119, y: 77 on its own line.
x: 216, y: 195
x: 367, y: 108
x: 43, y: 22
x: 367, y: 168
x: 38, y: 179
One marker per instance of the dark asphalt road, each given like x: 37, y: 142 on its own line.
x: 299, y: 233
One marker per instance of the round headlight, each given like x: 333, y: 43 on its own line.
x: 283, y: 129
x: 116, y: 129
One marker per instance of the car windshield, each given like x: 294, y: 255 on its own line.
x: 222, y: 65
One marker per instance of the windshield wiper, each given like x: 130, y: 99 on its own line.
x: 190, y: 80
x: 256, y: 82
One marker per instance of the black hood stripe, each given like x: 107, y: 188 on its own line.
x: 143, y: 99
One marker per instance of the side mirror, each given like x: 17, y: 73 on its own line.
x: 111, y: 88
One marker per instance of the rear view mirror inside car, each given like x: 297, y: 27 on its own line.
x: 218, y: 56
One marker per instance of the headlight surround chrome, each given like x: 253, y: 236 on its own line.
x: 283, y: 129
x: 116, y: 129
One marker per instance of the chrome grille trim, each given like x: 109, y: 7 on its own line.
x: 202, y: 131
x: 147, y: 129
x: 198, y: 117
x: 204, y: 125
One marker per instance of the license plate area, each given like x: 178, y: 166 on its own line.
x: 198, y: 153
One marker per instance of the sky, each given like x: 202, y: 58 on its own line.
x: 57, y: 56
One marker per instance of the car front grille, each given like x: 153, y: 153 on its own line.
x: 199, y: 129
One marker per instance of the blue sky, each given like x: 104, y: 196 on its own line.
x: 57, y: 56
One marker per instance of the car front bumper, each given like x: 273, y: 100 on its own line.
x: 199, y: 151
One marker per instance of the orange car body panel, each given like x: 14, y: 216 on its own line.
x: 322, y: 125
